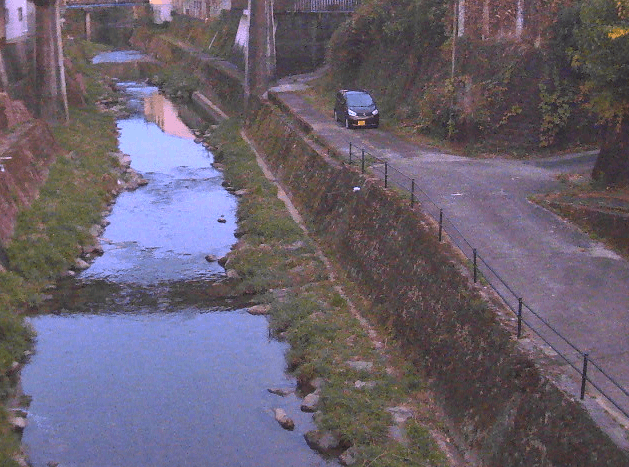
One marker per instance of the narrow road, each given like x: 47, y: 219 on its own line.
x: 580, y: 287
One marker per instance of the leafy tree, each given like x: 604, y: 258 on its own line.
x: 603, y: 54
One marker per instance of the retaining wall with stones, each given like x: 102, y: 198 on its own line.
x: 508, y: 410
x: 27, y: 151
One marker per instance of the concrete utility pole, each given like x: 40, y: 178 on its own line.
x: 260, y: 60
x: 51, y: 100
x: 4, y: 80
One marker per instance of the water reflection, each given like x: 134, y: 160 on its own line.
x: 136, y: 364
x: 164, y: 230
x: 160, y: 110
x: 138, y: 389
x: 119, y: 56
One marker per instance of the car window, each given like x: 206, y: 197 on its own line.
x: 359, y: 99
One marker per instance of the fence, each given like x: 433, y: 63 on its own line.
x: 588, y: 370
x: 323, y: 6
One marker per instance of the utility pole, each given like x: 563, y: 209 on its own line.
x: 51, y: 100
x: 455, y: 31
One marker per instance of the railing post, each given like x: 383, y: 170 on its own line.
x: 475, y: 265
x: 519, y: 317
x: 363, y: 161
x: 440, y: 224
x: 386, y: 174
x: 584, y: 375
x: 412, y: 192
x: 350, y: 153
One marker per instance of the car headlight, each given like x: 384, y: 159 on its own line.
x: 375, y: 112
x: 351, y: 113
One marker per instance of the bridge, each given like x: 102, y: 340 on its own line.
x: 85, y: 4
x: 89, y: 5
x: 324, y: 6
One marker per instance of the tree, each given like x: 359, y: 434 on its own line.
x: 603, y: 54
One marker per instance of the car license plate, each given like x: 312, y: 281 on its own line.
x: 361, y: 123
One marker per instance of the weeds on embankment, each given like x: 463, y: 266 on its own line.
x: 50, y: 232
x: 327, y: 341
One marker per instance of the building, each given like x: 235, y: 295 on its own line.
x: 205, y: 9
x: 18, y: 17
x: 162, y: 11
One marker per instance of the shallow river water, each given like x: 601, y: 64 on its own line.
x: 132, y: 366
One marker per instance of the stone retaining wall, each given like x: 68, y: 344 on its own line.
x: 301, y: 40
x: 509, y: 412
x: 27, y: 151
x: 217, y: 76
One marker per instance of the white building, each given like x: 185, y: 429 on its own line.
x: 162, y: 11
x: 202, y: 9
x: 16, y: 19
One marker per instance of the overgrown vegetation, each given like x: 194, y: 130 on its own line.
x: 603, y: 55
x: 176, y: 81
x: 48, y: 234
x: 308, y: 312
x: 215, y: 37
x: 491, y: 95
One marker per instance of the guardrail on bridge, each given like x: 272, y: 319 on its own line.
x: 325, y: 6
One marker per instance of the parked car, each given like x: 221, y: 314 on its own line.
x: 356, y: 108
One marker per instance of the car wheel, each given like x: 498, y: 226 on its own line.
x: 346, y: 123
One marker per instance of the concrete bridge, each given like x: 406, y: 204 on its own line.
x: 87, y: 4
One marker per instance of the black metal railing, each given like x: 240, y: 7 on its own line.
x: 588, y: 370
x: 326, y: 6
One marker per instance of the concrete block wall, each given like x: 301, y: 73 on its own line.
x: 509, y: 411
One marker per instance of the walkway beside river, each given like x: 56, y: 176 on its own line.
x: 575, y: 283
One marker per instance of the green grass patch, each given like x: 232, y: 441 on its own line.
x: 49, y: 233
x: 216, y: 37
x: 317, y: 322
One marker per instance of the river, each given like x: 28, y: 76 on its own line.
x: 132, y: 366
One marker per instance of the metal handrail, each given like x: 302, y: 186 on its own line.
x: 362, y: 156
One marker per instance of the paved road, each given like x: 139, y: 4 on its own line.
x: 573, y: 282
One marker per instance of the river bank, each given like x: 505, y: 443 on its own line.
x: 54, y: 233
x: 371, y: 406
x: 363, y: 406
x: 449, y: 327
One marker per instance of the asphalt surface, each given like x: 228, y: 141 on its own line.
x: 574, y: 283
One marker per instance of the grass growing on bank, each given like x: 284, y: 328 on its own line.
x: 49, y: 234
x: 326, y: 340
x: 216, y: 37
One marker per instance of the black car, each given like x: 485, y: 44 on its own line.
x: 356, y: 108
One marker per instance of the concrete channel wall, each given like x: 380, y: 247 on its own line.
x: 301, y: 40
x: 508, y: 411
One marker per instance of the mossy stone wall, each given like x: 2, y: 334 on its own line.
x: 509, y: 412
x: 29, y: 150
